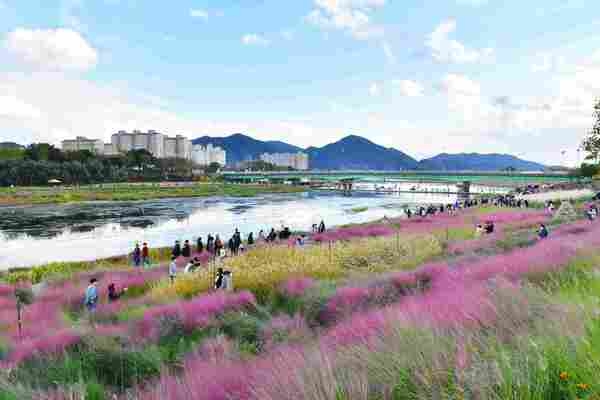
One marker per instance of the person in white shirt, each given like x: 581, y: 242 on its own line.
x: 173, y: 269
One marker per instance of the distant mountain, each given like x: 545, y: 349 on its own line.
x: 240, y: 147
x: 10, y: 146
x: 357, y: 153
x: 477, y: 162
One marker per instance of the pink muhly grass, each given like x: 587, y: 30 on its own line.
x: 116, y: 330
x: 196, y: 313
x: 297, y: 287
x: 354, y: 232
x: 6, y: 290
x: 290, y: 328
x: 347, y: 299
x: 47, y: 345
x: 216, y: 349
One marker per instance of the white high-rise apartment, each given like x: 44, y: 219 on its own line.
x: 205, y: 155
x: 298, y: 161
x: 158, y: 144
x: 81, y: 143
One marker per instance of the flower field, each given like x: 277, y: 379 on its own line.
x: 407, y: 309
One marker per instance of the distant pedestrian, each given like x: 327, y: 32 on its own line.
x: 219, y: 279
x: 137, y: 255
x: 173, y: 269
x: 261, y: 236
x: 91, y: 296
x: 250, y: 239
x: 322, y: 227
x: 187, y: 249
x: 210, y: 244
x: 218, y: 245
x: 176, y: 249
x: 199, y: 246
x: 543, y: 232
x: 145, y: 255
x: 113, y: 294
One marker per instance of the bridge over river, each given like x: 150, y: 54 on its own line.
x: 487, y: 178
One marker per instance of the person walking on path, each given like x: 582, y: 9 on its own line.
x: 199, y: 245
x: 137, y: 255
x: 219, y: 279
x: 176, y: 250
x: 210, y: 244
x: 91, y: 298
x: 322, y: 227
x: 187, y: 249
x: 250, y: 239
x: 543, y: 232
x: 173, y: 270
x: 146, y: 256
x: 218, y: 245
x: 237, y: 242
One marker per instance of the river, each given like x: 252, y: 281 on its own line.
x: 34, y: 235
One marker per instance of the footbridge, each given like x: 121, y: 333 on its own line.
x: 332, y: 177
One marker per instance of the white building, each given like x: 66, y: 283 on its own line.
x: 81, y: 143
x: 158, y: 144
x: 205, y: 155
x: 298, y: 161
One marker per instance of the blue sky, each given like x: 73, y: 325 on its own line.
x: 421, y: 76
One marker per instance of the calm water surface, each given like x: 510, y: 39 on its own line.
x: 41, y: 234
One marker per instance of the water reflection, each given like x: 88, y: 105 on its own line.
x: 40, y: 234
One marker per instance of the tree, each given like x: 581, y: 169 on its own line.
x: 213, y: 168
x: 588, y: 170
x: 591, y: 144
x: 139, y: 159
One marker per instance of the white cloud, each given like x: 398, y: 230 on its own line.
x: 546, y: 62
x: 389, y: 53
x: 460, y: 85
x: 352, y: 16
x: 409, y: 88
x: 444, y: 49
x: 199, y: 13
x: 12, y: 107
x: 53, y: 49
x: 50, y: 107
x: 253, y: 39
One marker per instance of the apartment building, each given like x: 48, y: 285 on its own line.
x: 298, y: 161
x: 205, y: 155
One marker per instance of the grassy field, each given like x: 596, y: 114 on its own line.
x: 395, y: 310
x: 132, y: 192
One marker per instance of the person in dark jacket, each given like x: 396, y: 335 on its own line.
x: 137, y: 256
x: 199, y: 246
x: 113, y: 294
x: 543, y: 232
x: 322, y: 227
x: 210, y: 244
x: 145, y: 255
x: 250, y: 239
x: 219, y: 279
x: 187, y: 249
x: 176, y: 250
x: 272, y: 235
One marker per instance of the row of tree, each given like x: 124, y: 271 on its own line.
x: 591, y: 145
x: 42, y: 162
